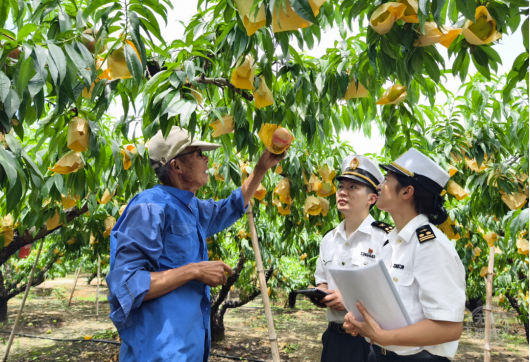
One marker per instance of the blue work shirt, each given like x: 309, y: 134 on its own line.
x: 164, y: 228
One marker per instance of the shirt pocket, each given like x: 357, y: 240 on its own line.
x: 180, y: 240
x: 404, y: 281
x: 327, y: 258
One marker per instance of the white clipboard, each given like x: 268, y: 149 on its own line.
x: 373, y: 287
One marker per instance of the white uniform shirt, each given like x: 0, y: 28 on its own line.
x: 361, y: 248
x: 430, y: 279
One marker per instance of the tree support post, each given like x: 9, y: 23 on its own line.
x: 76, y: 276
x: 97, y: 288
x: 488, y: 309
x: 263, y: 286
x: 28, y: 286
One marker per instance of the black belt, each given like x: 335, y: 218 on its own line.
x: 422, y: 355
x: 337, y: 327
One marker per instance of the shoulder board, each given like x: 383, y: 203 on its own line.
x: 326, y: 233
x: 387, y: 228
x: 425, y: 233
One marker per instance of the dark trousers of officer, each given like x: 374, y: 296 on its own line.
x: 340, y: 346
x: 375, y: 354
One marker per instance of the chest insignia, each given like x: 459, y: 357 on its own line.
x: 383, y: 226
x: 369, y: 254
x: 386, y: 242
x: 398, y: 266
x: 425, y: 233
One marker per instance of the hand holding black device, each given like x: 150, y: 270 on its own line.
x: 314, y: 294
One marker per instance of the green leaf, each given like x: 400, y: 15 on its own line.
x: 65, y: 23
x: 437, y: 9
x: 10, y: 167
x: 467, y: 8
x: 26, y: 30
x: 524, y: 29
x: 133, y: 63
x: 240, y: 43
x: 303, y: 9
x: 492, y: 54
x: 79, y: 63
x: 136, y: 38
x: 59, y: 59
x: 480, y: 59
x: 190, y: 70
x: 5, y: 84
x: 14, y: 196
x: 25, y: 72
x: 11, y: 104
x: 431, y: 67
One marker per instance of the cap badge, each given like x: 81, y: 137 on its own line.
x: 354, y: 163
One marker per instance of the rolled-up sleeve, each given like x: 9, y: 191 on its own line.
x: 441, y: 278
x: 138, y: 247
x: 218, y: 215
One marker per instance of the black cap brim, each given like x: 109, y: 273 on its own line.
x: 355, y: 178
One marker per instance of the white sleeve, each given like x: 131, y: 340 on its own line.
x: 441, y: 278
x: 320, y: 272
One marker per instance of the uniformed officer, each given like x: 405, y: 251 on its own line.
x: 355, y: 242
x: 423, y: 264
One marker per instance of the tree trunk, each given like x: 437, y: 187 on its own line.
x: 515, y: 305
x: 292, y: 299
x: 217, y: 325
x: 3, y: 299
x: 475, y: 306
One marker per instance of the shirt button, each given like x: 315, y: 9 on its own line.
x: 399, y: 241
x: 347, y: 244
x: 365, y: 263
x: 342, y: 263
x: 395, y: 279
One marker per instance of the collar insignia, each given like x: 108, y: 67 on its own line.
x: 354, y: 163
x: 387, y: 228
x: 425, y: 233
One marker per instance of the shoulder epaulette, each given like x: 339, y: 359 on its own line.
x: 387, y: 228
x: 425, y: 233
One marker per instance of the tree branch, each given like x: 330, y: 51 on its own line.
x: 27, y: 237
x: 229, y: 282
x: 239, y: 303
x: 39, y: 278
x: 223, y: 82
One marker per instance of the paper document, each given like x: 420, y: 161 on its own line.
x: 372, y: 286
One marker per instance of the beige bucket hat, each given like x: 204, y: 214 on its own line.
x: 163, y: 150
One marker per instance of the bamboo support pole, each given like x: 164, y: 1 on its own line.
x: 44, y: 287
x: 488, y: 309
x: 76, y: 276
x: 97, y: 288
x: 28, y: 286
x: 263, y: 287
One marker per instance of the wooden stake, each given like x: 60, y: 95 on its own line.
x: 76, y: 276
x: 488, y: 309
x: 97, y: 295
x: 28, y: 286
x: 44, y: 287
x: 263, y: 287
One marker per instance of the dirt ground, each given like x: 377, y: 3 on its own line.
x: 299, y: 330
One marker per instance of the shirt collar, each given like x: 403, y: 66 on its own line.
x: 365, y: 227
x: 408, y: 231
x: 184, y: 196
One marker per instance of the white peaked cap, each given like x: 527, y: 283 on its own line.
x: 421, y: 168
x: 361, y: 168
x: 163, y: 150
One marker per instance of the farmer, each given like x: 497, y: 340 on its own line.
x: 423, y: 264
x: 355, y: 242
x: 160, y: 276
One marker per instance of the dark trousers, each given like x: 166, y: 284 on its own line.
x: 375, y: 355
x: 343, y: 347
